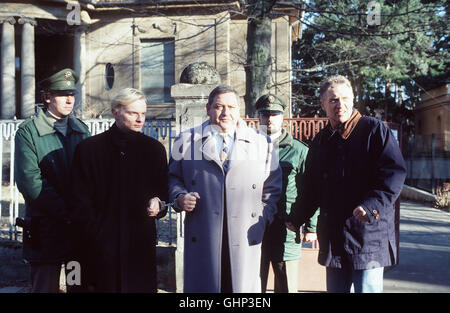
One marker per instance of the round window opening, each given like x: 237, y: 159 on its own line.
x: 109, y: 76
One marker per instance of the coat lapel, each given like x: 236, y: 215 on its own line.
x: 208, y: 146
x: 240, y: 151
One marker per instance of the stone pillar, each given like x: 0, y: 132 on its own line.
x: 191, y: 96
x: 190, y: 111
x: 8, y: 63
x: 190, y: 104
x: 28, y: 100
x: 79, y: 62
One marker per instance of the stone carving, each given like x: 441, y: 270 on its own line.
x: 200, y: 73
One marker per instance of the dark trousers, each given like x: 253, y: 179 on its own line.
x: 226, y: 283
x: 45, y: 277
x: 280, y: 276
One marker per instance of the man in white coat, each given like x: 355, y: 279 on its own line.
x: 227, y: 179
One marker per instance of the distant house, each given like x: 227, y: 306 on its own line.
x: 131, y: 43
x: 428, y: 153
x: 432, y: 114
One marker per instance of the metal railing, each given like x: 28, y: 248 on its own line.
x: 304, y: 129
x: 12, y: 204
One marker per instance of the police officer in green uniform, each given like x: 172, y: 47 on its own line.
x: 44, y: 147
x: 280, y: 246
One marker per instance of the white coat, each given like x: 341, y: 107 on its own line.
x: 252, y: 188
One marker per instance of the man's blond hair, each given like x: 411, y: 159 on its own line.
x: 125, y: 97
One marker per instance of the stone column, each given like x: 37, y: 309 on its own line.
x: 191, y: 94
x: 8, y: 63
x: 28, y: 100
x: 190, y: 104
x: 190, y: 108
x: 79, y: 62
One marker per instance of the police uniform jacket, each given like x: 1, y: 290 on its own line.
x: 42, y: 161
x: 281, y: 244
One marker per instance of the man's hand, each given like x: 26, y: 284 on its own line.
x: 290, y: 226
x: 153, y: 207
x: 310, y: 237
x: 188, y: 201
x: 360, y: 214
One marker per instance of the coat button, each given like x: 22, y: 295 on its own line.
x: 254, y: 186
x: 193, y: 182
x: 193, y: 239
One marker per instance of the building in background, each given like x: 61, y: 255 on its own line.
x: 131, y: 43
x: 428, y: 151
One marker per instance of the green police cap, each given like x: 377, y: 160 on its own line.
x: 63, y: 80
x: 270, y: 103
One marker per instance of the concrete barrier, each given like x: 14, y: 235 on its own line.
x: 416, y: 195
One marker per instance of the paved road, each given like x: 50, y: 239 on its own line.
x: 424, y: 260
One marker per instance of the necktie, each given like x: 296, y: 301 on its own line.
x: 224, y: 153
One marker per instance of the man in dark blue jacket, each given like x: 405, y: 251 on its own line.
x: 354, y: 173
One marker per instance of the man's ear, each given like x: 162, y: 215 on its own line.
x: 321, y: 105
x: 46, y: 97
x: 114, y: 112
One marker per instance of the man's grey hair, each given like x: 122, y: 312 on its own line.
x: 220, y: 90
x: 125, y: 97
x: 333, y: 80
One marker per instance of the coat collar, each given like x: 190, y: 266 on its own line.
x: 345, y: 129
x: 45, y: 127
x: 285, y: 139
x: 122, y: 140
x: 209, y: 148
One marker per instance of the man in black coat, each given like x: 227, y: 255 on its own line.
x: 354, y: 173
x: 119, y: 183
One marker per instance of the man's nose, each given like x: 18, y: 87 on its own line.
x: 140, y: 118
x: 226, y: 111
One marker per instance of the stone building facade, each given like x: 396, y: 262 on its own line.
x: 129, y: 43
x: 432, y: 114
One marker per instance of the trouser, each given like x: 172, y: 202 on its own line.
x: 45, y: 277
x: 285, y: 275
x: 226, y: 285
x: 347, y: 280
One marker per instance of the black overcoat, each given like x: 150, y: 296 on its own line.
x: 114, y: 175
x: 366, y: 169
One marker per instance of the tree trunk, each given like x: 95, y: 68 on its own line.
x: 360, y: 92
x: 259, y: 58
